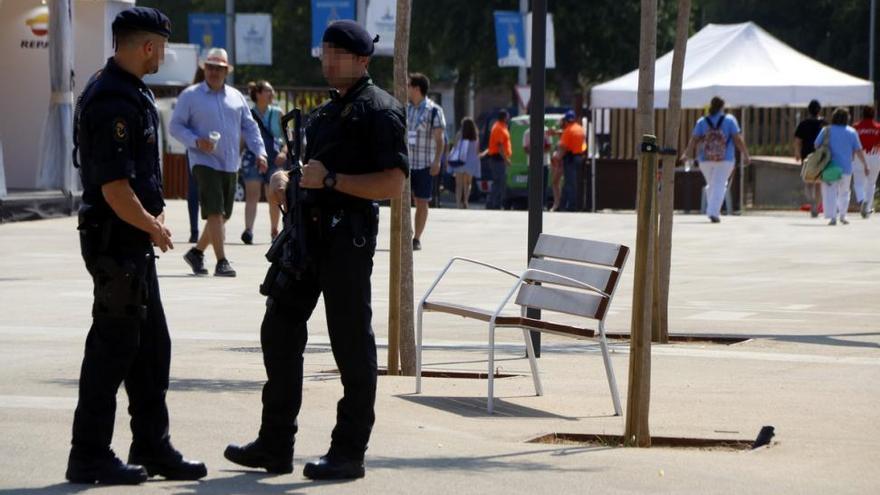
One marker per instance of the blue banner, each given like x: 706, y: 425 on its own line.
x: 207, y: 30
x: 323, y: 13
x: 510, y: 39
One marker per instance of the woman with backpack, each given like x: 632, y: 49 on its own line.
x: 716, y: 134
x: 843, y: 142
x: 268, y: 117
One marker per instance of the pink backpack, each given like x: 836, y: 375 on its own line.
x: 715, y: 142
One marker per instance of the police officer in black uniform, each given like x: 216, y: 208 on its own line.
x: 116, y: 129
x: 356, y: 154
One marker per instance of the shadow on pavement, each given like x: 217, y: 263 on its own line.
x: 830, y: 339
x: 190, y: 384
x: 241, y: 482
x: 475, y: 407
x: 251, y: 482
x: 56, y: 488
x: 500, y: 462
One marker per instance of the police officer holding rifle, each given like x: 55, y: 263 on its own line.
x: 355, y: 155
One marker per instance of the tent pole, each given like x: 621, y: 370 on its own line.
x: 872, y: 45
x: 742, y: 168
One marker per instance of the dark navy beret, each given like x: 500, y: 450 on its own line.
x: 350, y: 36
x: 142, y: 19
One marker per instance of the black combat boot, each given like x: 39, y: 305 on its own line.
x: 166, y: 462
x: 331, y: 467
x: 105, y: 470
x: 257, y: 455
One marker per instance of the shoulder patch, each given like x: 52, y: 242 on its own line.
x: 120, y: 130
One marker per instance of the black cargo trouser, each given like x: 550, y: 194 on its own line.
x: 341, y: 247
x: 573, y: 183
x: 498, y: 193
x: 128, y: 342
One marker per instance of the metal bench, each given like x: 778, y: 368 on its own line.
x: 571, y: 276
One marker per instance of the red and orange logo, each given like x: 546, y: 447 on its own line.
x: 39, y: 22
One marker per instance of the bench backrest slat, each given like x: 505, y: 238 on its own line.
x: 580, y: 250
x: 599, y: 277
x: 582, y: 303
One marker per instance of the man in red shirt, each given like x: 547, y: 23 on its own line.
x: 499, y: 152
x: 869, y: 135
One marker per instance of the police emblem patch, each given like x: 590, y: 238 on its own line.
x: 120, y: 130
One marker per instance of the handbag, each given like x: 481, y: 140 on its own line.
x: 832, y: 173
x: 458, y: 154
x: 248, y: 158
x: 817, y: 161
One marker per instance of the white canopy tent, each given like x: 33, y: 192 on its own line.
x: 744, y: 65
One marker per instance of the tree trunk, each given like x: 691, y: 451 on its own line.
x: 403, y: 345
x: 666, y: 201
x: 398, y: 230
x: 637, y: 431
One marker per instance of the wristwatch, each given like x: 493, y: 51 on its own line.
x: 330, y: 180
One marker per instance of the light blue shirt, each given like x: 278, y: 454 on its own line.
x: 200, y: 111
x: 843, y: 141
x: 730, y: 128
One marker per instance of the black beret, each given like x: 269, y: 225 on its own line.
x: 142, y: 19
x: 349, y: 35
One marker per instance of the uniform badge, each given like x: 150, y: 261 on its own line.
x: 346, y: 111
x: 120, y: 130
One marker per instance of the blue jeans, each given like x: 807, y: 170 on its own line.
x: 499, y: 183
x: 570, y: 165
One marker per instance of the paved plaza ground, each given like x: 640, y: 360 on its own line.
x: 803, y: 294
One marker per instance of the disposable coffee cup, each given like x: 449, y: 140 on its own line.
x: 214, y: 136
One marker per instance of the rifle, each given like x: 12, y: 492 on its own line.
x: 289, y: 247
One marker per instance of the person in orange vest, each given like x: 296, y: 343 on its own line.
x: 571, y: 149
x: 499, y: 152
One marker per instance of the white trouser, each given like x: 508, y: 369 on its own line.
x: 865, y: 186
x: 835, y: 197
x: 716, y: 175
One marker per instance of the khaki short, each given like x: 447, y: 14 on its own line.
x: 216, y: 191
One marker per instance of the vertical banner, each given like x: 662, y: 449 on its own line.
x: 381, y: 20
x: 253, y: 39
x: 323, y: 13
x: 510, y: 39
x: 550, y: 52
x: 207, y: 31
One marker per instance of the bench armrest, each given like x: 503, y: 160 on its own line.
x: 532, y: 271
x: 466, y: 260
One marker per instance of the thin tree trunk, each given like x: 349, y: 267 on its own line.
x: 637, y: 432
x: 666, y: 201
x: 398, y: 230
x: 405, y: 344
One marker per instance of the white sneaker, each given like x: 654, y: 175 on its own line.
x: 844, y: 221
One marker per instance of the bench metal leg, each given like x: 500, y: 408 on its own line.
x: 533, y: 363
x: 490, y: 403
x: 612, y: 382
x: 419, y: 351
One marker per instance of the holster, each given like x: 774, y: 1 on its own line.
x: 118, y: 266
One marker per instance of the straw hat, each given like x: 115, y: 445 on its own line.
x: 217, y: 57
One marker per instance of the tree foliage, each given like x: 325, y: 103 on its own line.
x: 454, y: 40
